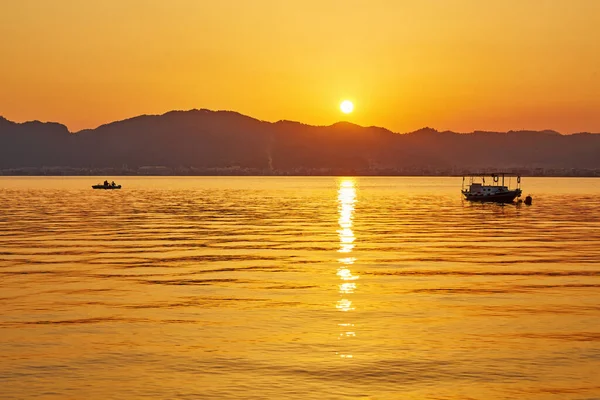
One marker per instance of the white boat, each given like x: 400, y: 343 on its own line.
x: 497, y: 189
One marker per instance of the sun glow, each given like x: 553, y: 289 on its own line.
x: 346, y: 106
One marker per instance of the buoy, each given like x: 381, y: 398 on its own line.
x: 528, y: 200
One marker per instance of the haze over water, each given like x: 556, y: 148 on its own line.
x: 236, y: 288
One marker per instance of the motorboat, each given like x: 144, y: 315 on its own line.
x: 497, y: 188
x: 106, y: 186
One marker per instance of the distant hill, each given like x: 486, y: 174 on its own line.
x: 201, y: 140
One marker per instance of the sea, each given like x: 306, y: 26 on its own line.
x: 297, y: 288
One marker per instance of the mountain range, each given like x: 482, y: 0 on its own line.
x: 201, y: 140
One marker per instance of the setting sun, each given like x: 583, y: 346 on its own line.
x: 346, y: 106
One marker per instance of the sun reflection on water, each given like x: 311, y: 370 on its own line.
x: 346, y: 201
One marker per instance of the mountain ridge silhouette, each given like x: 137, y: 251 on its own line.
x: 202, y: 138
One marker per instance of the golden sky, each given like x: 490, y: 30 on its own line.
x: 458, y: 65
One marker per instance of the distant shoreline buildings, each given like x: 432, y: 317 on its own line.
x: 239, y: 171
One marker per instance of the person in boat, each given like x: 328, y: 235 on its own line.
x: 105, y: 183
x: 113, y: 184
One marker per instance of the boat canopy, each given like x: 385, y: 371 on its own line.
x: 503, y: 179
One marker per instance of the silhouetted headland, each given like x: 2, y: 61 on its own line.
x: 204, y: 142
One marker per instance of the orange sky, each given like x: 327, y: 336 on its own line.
x: 459, y: 65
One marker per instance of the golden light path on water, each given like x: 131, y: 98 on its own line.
x: 346, y: 201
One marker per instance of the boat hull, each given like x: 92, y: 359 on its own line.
x: 504, y: 197
x: 109, y: 187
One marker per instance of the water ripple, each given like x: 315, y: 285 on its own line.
x: 306, y: 288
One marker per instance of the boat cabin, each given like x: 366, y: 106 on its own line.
x: 481, y: 189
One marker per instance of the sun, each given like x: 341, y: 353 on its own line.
x: 346, y: 106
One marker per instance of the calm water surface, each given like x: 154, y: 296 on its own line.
x: 252, y: 288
